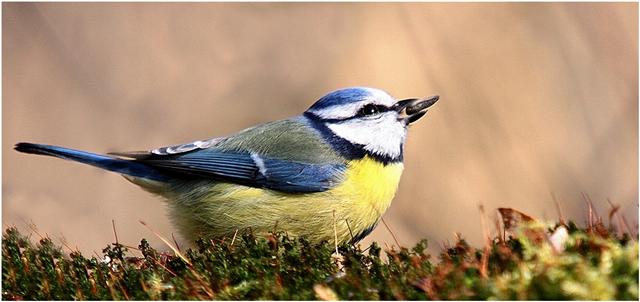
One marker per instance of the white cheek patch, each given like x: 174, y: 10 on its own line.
x: 382, y: 136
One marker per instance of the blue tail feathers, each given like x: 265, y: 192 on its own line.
x: 122, y: 166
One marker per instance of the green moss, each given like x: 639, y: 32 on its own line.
x: 593, y: 265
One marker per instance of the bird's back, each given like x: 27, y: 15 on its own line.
x: 289, y: 139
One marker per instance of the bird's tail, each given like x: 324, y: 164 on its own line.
x: 118, y: 165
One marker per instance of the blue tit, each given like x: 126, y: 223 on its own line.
x: 332, y: 171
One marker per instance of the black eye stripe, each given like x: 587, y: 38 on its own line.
x: 359, y: 114
x: 371, y: 109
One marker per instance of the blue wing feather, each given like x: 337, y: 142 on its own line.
x: 241, y: 167
x: 301, y: 177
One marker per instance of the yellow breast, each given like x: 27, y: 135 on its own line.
x: 370, y: 185
x: 365, y: 194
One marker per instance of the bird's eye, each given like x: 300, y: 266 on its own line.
x: 371, y: 109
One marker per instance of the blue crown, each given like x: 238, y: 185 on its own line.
x: 346, y: 96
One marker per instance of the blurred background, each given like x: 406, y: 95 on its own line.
x: 537, y: 100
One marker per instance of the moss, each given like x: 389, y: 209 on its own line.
x: 593, y: 265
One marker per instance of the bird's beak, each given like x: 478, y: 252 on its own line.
x: 411, y: 110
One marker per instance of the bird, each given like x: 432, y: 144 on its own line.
x: 328, y: 174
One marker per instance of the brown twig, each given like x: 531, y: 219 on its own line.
x: 175, y: 242
x: 485, y: 254
x: 626, y: 224
x: 390, y: 231
x: 349, y: 227
x: 175, y: 250
x: 335, y: 231
x: 614, y: 213
x: 234, y: 237
x: 558, y: 208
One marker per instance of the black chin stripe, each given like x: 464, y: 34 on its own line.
x: 346, y: 148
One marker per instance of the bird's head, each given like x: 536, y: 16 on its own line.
x: 369, y: 119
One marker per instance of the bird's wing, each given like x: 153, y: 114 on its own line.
x: 282, y: 155
x: 251, y: 169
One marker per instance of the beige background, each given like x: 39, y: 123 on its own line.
x: 535, y: 99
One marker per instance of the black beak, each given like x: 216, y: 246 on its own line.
x: 414, y: 109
